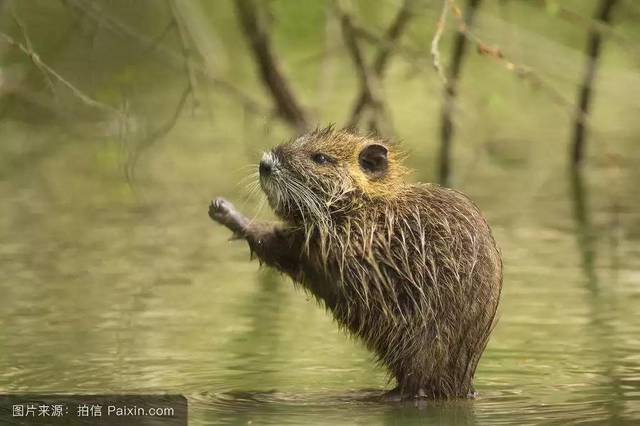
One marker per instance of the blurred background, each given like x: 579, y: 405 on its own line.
x: 120, y: 120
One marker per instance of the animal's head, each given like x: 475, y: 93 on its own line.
x: 325, y: 172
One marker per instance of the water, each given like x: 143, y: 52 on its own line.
x: 114, y: 288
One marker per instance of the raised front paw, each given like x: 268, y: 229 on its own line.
x: 220, y: 210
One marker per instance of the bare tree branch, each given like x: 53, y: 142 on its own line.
x: 29, y: 45
x: 392, y: 35
x: 451, y: 83
x: 190, y: 90
x: 603, y: 14
x: 369, y: 83
x: 171, y: 58
x: 520, y: 70
x: 594, y: 24
x: 35, y: 58
x: 157, y: 134
x: 327, y: 60
x: 186, y: 52
x: 435, y: 42
x: 155, y: 42
x: 287, y: 104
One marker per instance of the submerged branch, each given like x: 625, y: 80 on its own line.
x: 584, y: 232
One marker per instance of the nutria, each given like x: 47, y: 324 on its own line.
x: 411, y: 269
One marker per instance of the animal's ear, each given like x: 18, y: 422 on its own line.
x: 373, y: 160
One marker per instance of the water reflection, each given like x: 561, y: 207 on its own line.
x: 601, y: 303
x: 254, y: 347
x: 358, y: 407
x: 584, y: 233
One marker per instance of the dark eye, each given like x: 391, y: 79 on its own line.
x: 320, y: 159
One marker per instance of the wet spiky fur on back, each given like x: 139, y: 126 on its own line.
x: 411, y: 269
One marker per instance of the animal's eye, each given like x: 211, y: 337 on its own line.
x: 320, y: 159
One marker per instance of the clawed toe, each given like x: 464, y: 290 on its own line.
x: 219, y: 208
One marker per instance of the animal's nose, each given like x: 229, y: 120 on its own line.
x: 266, y: 165
x: 265, y: 168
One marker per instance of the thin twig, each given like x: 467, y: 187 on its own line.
x: 171, y: 58
x: 35, y: 58
x: 593, y: 24
x: 287, y: 104
x: 392, y: 36
x: 155, y: 42
x: 186, y: 52
x: 157, y: 134
x: 327, y: 60
x: 369, y: 83
x: 435, y: 42
x: 382, y: 42
x: 29, y: 46
x: 520, y: 70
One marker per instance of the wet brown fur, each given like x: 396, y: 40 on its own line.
x: 411, y: 269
